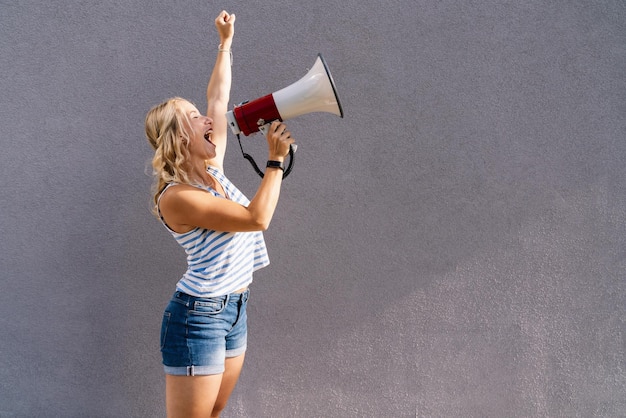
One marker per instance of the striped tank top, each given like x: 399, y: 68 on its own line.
x: 219, y: 263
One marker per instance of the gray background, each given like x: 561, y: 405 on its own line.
x: 454, y: 247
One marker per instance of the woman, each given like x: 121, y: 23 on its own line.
x: 203, y: 337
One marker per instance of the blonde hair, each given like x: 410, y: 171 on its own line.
x: 166, y: 132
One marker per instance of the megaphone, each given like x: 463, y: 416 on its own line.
x: 315, y: 92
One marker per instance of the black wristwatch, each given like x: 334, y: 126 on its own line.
x: 275, y: 164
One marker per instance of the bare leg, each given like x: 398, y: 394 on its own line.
x: 191, y: 396
x: 230, y: 377
x: 201, y: 396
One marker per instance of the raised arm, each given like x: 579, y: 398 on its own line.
x: 218, y: 89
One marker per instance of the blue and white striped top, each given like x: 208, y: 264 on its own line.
x: 219, y: 263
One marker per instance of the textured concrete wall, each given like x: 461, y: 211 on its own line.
x: 454, y: 247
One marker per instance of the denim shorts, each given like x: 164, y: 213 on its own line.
x: 197, y: 334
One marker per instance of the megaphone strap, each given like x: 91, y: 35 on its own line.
x: 286, y: 172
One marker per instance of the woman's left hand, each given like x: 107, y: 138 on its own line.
x: 225, y: 25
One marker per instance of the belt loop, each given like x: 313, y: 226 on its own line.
x: 184, y: 298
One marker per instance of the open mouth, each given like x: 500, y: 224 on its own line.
x: 207, y: 136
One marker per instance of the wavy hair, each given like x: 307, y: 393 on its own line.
x: 167, y: 134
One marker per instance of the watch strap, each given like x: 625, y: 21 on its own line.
x: 275, y: 164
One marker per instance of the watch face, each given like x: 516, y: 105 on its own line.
x: 275, y: 164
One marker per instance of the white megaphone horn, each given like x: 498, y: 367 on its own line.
x: 315, y: 92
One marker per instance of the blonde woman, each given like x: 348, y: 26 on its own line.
x: 204, y: 329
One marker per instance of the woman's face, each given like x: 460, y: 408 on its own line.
x: 200, y: 132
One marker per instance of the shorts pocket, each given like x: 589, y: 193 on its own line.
x: 164, y: 327
x: 209, y: 306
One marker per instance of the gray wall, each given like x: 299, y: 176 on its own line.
x: 454, y: 247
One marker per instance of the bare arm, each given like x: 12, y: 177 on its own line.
x: 185, y: 207
x: 218, y: 88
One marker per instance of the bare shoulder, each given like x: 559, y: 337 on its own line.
x: 185, y: 207
x: 181, y: 195
x: 178, y: 201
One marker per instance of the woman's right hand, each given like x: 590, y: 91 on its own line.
x: 225, y: 25
x: 278, y: 141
